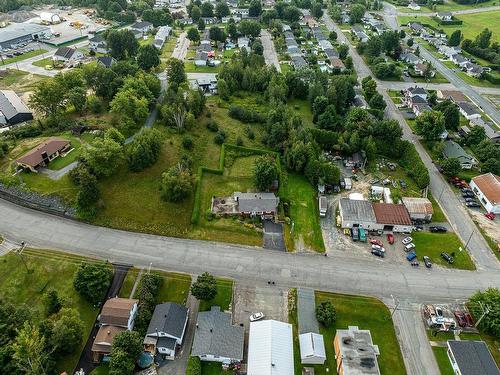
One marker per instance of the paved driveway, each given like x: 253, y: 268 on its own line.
x: 270, y: 55
x: 273, y: 236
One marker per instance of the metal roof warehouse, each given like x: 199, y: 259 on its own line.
x: 22, y: 32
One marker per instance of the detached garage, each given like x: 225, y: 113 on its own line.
x: 312, y: 349
x: 487, y: 189
x: 270, y: 348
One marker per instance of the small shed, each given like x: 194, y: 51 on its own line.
x: 419, y: 208
x: 312, y: 349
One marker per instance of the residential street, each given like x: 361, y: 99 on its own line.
x: 270, y: 54
x: 452, y: 207
x: 395, y: 85
x: 180, y: 51
x: 251, y: 264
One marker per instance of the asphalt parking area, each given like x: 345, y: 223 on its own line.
x: 273, y: 236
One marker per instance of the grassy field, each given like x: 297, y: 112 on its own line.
x: 48, y: 269
x: 448, y: 6
x: 223, y: 298
x: 438, y: 215
x: 128, y: 283
x: 366, y: 313
x: 22, y: 57
x: 442, y: 360
x: 18, y: 80
x: 189, y: 67
x: 433, y: 244
x: 175, y: 287
x: 472, y: 24
x: 304, y: 213
x: 42, y: 63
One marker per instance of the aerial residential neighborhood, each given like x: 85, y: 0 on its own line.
x: 260, y: 187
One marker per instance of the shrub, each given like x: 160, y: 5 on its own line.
x: 325, y: 313
x: 244, y: 115
x: 212, y: 126
x: 250, y: 134
x: 205, y: 287
x: 187, y: 142
x: 92, y: 281
x: 143, y: 152
x: 177, y: 183
x: 220, y: 137
x: 239, y: 141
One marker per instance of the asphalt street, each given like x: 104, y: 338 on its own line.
x: 182, y: 46
x: 454, y: 210
x: 270, y: 55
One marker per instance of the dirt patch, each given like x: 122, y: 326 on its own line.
x: 491, y: 227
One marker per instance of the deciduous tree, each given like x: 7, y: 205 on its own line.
x: 265, y: 172
x: 92, y: 281
x: 205, y: 287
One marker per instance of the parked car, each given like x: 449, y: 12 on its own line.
x: 468, y: 195
x: 411, y: 256
x: 460, y: 318
x: 377, y: 247
x: 490, y: 215
x: 377, y: 242
x: 469, y: 320
x: 469, y: 199
x: 403, y: 184
x: 418, y: 228
x: 407, y: 240
x: 466, y: 190
x: 438, y: 229
x: 439, y: 312
x: 355, y: 234
x: 409, y: 247
x: 427, y: 261
x: 472, y: 204
x: 362, y: 235
x: 256, y: 316
x: 390, y: 238
x: 378, y: 253
x: 447, y: 257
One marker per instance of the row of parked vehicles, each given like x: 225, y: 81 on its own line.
x: 10, y: 53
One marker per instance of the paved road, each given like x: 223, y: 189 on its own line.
x: 270, y: 55
x: 395, y: 85
x: 454, y: 210
x: 468, y: 90
x: 251, y: 264
x: 180, y: 51
x: 456, y: 12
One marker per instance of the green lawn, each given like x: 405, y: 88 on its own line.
x: 19, y: 81
x: 433, y: 244
x: 128, y: 283
x: 438, y: 215
x: 223, y: 298
x: 48, y: 269
x: 175, y: 287
x: 42, y: 63
x: 472, y: 24
x: 366, y: 313
x: 305, y: 230
x: 448, y: 6
x: 443, y: 360
x: 22, y: 57
x: 213, y: 368
x: 63, y: 161
x: 100, y: 370
x: 189, y: 67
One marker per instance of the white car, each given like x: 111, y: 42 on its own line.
x: 377, y: 247
x: 407, y: 240
x: 409, y: 246
x: 256, y: 316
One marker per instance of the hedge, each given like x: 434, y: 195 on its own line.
x: 195, y: 215
x: 491, y: 78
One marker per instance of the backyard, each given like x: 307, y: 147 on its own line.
x: 47, y: 270
x: 366, y: 313
x: 223, y: 298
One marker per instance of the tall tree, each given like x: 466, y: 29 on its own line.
x: 30, y: 351
x: 122, y: 44
x: 175, y: 72
x: 67, y: 332
x: 356, y: 13
x: 207, y: 9
x: 222, y: 10
x: 454, y: 39
x: 430, y: 125
x: 483, y: 38
x: 205, y: 287
x: 265, y: 172
x: 92, y: 281
x: 193, y: 35
x: 255, y: 8
x: 148, y: 57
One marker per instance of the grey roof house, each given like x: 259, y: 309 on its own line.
x: 471, y: 358
x: 256, y: 203
x: 12, y: 109
x: 216, y: 339
x: 167, y: 328
x: 454, y: 150
x: 356, y: 213
x: 67, y: 54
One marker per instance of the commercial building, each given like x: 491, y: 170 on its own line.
x: 355, y: 353
x: 392, y: 217
x: 419, y: 208
x: 471, y: 358
x: 20, y: 33
x: 12, y: 109
x: 357, y: 213
x: 270, y: 348
x: 487, y: 189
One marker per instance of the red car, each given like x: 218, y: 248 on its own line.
x: 390, y: 238
x: 469, y: 320
x: 460, y: 318
x: 377, y: 242
x: 490, y: 215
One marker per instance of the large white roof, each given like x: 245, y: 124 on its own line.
x: 270, y: 348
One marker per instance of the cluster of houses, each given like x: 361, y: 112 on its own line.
x: 218, y: 339
x: 371, y: 24
x: 236, y: 14
x: 292, y: 49
x: 382, y: 217
x: 452, y: 53
x: 205, y: 53
x: 417, y: 63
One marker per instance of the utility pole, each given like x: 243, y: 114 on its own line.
x: 396, y: 305
x: 149, y: 268
x: 19, y: 252
x: 467, y: 243
x: 486, y: 311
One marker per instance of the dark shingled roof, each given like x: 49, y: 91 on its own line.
x: 166, y: 342
x: 216, y: 335
x: 11, y: 104
x: 34, y: 157
x: 473, y: 358
x: 170, y: 318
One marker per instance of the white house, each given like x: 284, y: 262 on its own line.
x: 414, y: 6
x: 471, y: 357
x: 98, y: 44
x: 216, y: 339
x: 142, y: 26
x: 270, y: 348
x: 312, y: 349
x: 468, y: 110
x: 444, y: 16
x: 167, y: 328
x: 67, y: 54
x: 243, y: 42
x: 487, y: 189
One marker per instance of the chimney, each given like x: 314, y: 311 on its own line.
x: 211, y: 330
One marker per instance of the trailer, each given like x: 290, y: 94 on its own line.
x: 323, y: 206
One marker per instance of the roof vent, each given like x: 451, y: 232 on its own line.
x: 109, y: 332
x: 211, y: 330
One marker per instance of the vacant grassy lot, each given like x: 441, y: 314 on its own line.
x: 190, y: 67
x: 448, y: 6
x: 366, y: 313
x: 223, y: 298
x: 22, y: 57
x: 128, y: 283
x: 472, y: 24
x: 433, y: 244
x: 175, y: 287
x: 438, y: 215
x: 18, y: 80
x: 304, y: 212
x: 442, y: 360
x: 48, y: 270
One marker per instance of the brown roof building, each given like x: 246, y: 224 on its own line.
x: 44, y: 153
x: 391, y: 214
x: 104, y: 341
x: 119, y: 312
x: 453, y: 95
x: 487, y: 189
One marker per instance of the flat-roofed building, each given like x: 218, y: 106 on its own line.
x: 355, y: 352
